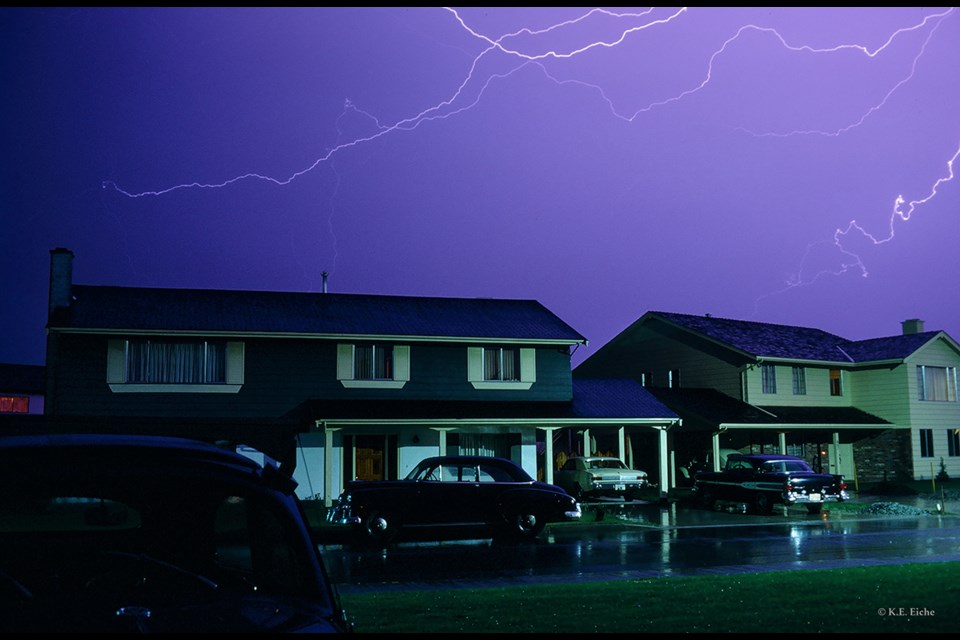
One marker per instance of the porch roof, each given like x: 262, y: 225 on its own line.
x: 606, y: 400
x: 718, y: 410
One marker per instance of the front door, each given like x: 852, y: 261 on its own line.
x: 369, y: 457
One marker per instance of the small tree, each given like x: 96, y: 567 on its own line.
x: 942, y: 475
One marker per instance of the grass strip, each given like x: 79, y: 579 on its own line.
x: 909, y: 598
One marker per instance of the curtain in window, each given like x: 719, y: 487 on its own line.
x: 484, y: 444
x: 373, y: 362
x: 937, y: 383
x: 501, y: 364
x: 176, y: 363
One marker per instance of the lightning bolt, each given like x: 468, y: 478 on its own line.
x: 901, y: 210
x: 528, y: 47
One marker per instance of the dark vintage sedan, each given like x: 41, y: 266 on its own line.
x: 760, y: 481
x: 136, y: 534
x: 476, y: 492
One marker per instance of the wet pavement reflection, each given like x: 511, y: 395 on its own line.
x: 649, y: 540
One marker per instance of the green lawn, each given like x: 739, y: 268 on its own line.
x: 914, y: 598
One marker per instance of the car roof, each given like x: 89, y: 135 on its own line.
x: 762, y: 456
x: 141, y: 450
x: 466, y: 460
x: 147, y: 445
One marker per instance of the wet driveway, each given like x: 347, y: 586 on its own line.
x: 648, y: 540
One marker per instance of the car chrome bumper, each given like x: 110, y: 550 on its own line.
x: 791, y: 498
x: 573, y: 515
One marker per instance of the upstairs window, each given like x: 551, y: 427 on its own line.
x: 768, y: 373
x: 506, y: 368
x: 373, y: 362
x: 674, y: 378
x: 143, y: 365
x: 150, y: 362
x: 953, y: 442
x: 14, y: 404
x: 501, y: 363
x: 799, y: 381
x: 373, y: 365
x: 937, y: 383
x: 836, y: 382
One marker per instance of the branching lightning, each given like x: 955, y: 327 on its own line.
x: 526, y: 47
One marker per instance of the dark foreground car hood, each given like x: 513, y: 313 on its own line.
x: 245, y: 614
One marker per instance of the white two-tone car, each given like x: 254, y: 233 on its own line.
x: 585, y: 478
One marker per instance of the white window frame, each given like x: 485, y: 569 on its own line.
x: 768, y: 378
x: 924, y: 386
x: 117, y: 372
x: 528, y: 370
x: 346, y: 369
x: 799, y: 381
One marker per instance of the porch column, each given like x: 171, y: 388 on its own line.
x: 621, y: 449
x: 443, y: 441
x: 835, y: 458
x: 715, y: 456
x: 586, y: 443
x: 328, y: 465
x: 783, y: 442
x: 664, y: 470
x: 549, y: 462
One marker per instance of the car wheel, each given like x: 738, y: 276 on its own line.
x: 814, y: 509
x: 527, y: 524
x: 761, y: 503
x: 379, y: 527
x: 707, y: 499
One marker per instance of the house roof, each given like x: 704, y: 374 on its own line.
x: 232, y: 311
x: 760, y: 339
x: 600, y: 400
x: 23, y: 378
x: 717, y: 409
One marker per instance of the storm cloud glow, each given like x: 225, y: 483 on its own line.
x: 788, y: 165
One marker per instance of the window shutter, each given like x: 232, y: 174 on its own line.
x: 401, y: 362
x: 344, y: 362
x: 235, y: 365
x: 528, y: 365
x: 474, y: 364
x: 116, y: 361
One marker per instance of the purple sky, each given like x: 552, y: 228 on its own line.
x: 745, y: 163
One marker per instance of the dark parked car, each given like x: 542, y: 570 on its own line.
x: 476, y: 492
x: 600, y: 476
x: 761, y: 481
x: 106, y: 533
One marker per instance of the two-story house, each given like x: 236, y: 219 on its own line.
x: 337, y: 386
x: 874, y: 410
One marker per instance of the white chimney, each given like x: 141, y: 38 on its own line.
x: 912, y: 326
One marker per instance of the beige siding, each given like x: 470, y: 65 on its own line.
x: 940, y: 417
x: 818, y: 388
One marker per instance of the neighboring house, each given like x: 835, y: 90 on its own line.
x: 337, y: 386
x: 21, y: 389
x: 874, y: 410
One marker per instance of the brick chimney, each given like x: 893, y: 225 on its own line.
x: 912, y: 326
x: 61, y: 281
